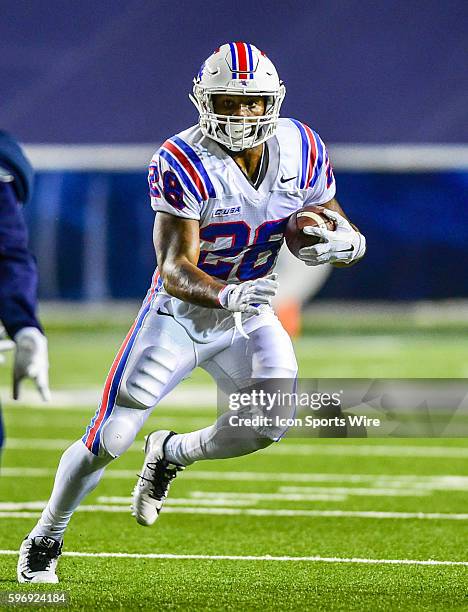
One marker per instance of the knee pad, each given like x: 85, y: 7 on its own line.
x: 147, y: 378
x: 117, y: 435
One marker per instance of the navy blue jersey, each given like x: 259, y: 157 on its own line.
x: 18, y: 273
x: 13, y: 159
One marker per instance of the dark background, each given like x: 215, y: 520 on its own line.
x: 378, y: 73
x: 120, y: 71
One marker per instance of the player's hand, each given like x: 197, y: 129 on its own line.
x: 31, y: 361
x: 342, y: 245
x: 247, y: 296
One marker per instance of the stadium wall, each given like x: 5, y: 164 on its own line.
x: 90, y: 221
x: 120, y: 70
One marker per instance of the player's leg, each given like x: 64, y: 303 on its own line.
x: 154, y: 357
x: 267, y: 354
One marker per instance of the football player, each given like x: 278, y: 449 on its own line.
x: 223, y: 191
x: 18, y: 274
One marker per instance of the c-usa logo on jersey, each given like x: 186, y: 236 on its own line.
x: 224, y: 212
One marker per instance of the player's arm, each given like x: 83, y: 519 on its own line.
x: 18, y: 275
x: 343, y: 246
x: 336, y: 206
x: 177, y: 245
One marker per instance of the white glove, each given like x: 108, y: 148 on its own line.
x: 241, y: 298
x: 342, y: 245
x: 31, y: 361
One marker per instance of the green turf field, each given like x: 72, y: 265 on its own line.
x: 305, y: 525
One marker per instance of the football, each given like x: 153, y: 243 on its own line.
x: 309, y: 215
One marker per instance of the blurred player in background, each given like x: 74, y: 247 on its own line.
x: 223, y: 191
x: 18, y: 273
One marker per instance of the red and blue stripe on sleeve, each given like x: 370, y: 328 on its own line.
x: 189, y: 168
x: 312, y: 155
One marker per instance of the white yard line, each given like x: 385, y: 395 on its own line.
x: 265, y: 512
x: 371, y: 450
x: 202, y: 498
x: 311, y: 493
x: 12, y: 472
x: 360, y: 491
x: 310, y: 559
x: 282, y: 448
x: 224, y: 498
x: 19, y: 515
x: 104, y: 501
x: 23, y: 444
x: 443, y: 482
x: 190, y: 398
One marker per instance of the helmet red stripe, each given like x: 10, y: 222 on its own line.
x: 242, y: 55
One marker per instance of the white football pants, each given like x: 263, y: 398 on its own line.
x: 155, y: 356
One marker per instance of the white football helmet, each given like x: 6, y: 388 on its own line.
x: 238, y: 68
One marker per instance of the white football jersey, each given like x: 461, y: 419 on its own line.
x: 241, y: 227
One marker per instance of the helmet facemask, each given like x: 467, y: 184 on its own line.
x: 218, y: 77
x: 238, y: 133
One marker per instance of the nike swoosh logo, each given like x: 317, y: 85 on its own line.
x: 166, y: 314
x: 286, y: 180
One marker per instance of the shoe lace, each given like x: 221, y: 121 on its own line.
x: 161, y: 477
x: 39, y: 559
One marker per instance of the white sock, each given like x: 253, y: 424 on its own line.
x: 219, y: 441
x: 78, y: 473
x: 184, y: 449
